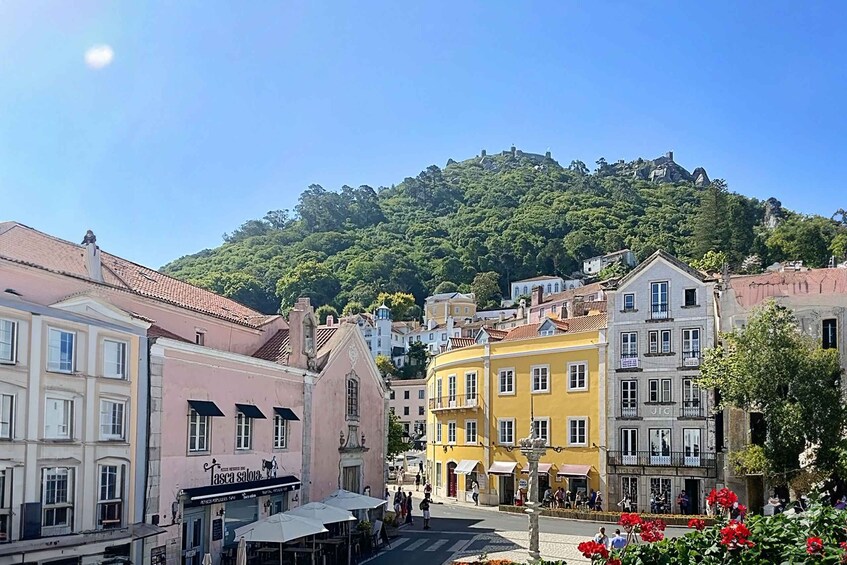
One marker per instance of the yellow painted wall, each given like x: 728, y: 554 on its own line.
x: 558, y: 404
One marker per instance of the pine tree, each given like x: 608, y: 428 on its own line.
x: 711, y: 224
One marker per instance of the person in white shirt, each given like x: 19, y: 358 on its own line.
x: 475, y: 489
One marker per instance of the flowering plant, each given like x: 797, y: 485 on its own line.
x: 724, y: 498
x: 734, y: 535
x: 814, y: 546
x: 696, y: 524
x: 592, y: 550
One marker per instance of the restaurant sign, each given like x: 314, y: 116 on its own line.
x: 220, y: 475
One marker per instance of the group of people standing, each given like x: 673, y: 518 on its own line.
x: 403, y: 505
x: 616, y: 542
x: 579, y: 500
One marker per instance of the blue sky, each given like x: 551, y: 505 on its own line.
x: 212, y: 113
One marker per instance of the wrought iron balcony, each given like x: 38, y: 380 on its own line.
x: 629, y: 409
x: 691, y: 358
x: 454, y: 402
x: 692, y: 409
x: 689, y: 458
x: 659, y: 311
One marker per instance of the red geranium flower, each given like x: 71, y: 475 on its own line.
x: 591, y: 549
x: 814, y: 546
x: 629, y: 520
x: 652, y: 530
x: 696, y: 524
x: 734, y: 535
x: 724, y: 498
x: 613, y: 561
x: 843, y: 545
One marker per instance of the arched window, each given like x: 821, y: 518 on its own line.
x: 556, y: 287
x: 549, y: 289
x: 352, y: 396
x: 525, y: 291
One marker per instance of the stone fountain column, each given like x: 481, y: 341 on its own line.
x: 533, y: 449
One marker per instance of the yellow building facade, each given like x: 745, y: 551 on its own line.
x: 482, y: 400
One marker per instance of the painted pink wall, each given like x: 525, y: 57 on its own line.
x: 224, y: 383
x: 329, y: 401
x: 44, y: 287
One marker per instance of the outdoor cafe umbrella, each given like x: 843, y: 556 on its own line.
x: 280, y: 528
x: 352, y: 501
x: 325, y: 514
x: 241, y: 554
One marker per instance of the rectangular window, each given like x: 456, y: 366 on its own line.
x: 691, y: 446
x: 541, y: 378
x: 451, y: 432
x: 405, y: 395
x: 8, y: 341
x: 691, y: 343
x: 109, y: 507
x: 5, y: 505
x: 60, y: 351
x: 438, y: 473
x: 577, y: 431
x: 507, y: 381
x: 829, y: 330
x: 470, y: 432
x: 629, y: 446
x: 470, y: 387
x: 542, y: 429
x: 7, y: 416
x: 629, y: 489
x: 111, y: 420
x: 444, y: 336
x: 690, y: 398
x: 437, y: 432
x: 659, y: 300
x: 243, y: 431
x: 421, y: 394
x: 280, y: 432
x: 405, y: 410
x: 352, y: 399
x: 57, y: 496
x: 451, y: 389
x: 629, y: 301
x: 629, y: 345
x: 114, y: 359
x: 629, y: 399
x: 421, y: 411
x: 58, y: 418
x: 660, y: 390
x: 660, y: 446
x: 198, y: 432
x: 439, y: 390
x: 666, y: 341
x: 577, y: 376
x: 200, y: 338
x: 653, y: 341
x: 660, y: 488
x: 691, y: 297
x: 506, y: 429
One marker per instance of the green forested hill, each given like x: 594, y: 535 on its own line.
x: 514, y: 214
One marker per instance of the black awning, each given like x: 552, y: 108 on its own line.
x: 216, y: 494
x: 251, y: 411
x: 205, y: 407
x: 286, y: 413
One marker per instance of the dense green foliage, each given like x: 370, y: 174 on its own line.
x: 771, y: 367
x: 512, y: 215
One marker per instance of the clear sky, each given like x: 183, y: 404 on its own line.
x: 200, y: 115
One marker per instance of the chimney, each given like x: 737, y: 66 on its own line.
x: 578, y: 303
x: 330, y: 320
x: 537, y: 294
x: 92, y: 257
x: 301, y: 338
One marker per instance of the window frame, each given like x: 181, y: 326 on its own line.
x: 451, y: 432
x: 111, y: 436
x: 585, y: 376
x: 572, y: 420
x: 421, y: 394
x: 118, y: 497
x: 631, y: 307
x: 511, y: 381
x: 656, y: 389
x: 280, y: 432
x: 7, y: 417
x: 685, y: 292
x: 12, y: 343
x: 656, y: 295
x: 537, y: 423
x: 67, y: 503
x: 629, y: 345
x: 53, y: 368
x: 662, y: 334
x: 829, y: 337
x: 201, y: 422
x: 243, y: 432
x: 471, y: 385
x: 352, y: 397
x: 438, y: 433
x: 471, y: 439
x: 407, y: 395
x: 686, y: 353
x: 511, y: 431
x: 546, y: 377
x: 122, y: 349
x: 68, y: 420
x: 421, y: 411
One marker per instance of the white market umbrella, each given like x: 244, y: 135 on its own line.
x: 322, y: 513
x: 352, y: 501
x: 241, y: 554
x: 280, y: 528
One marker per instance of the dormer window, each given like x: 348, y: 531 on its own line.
x: 200, y: 337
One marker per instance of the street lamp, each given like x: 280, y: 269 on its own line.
x: 533, y: 448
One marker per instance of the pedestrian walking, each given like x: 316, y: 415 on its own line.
x: 601, y: 537
x: 618, y: 541
x: 475, y: 489
x: 397, y: 507
x: 428, y: 489
x: 592, y: 496
x: 420, y: 467
x: 409, y: 508
x: 598, y: 502
x: 417, y: 482
x: 424, y: 506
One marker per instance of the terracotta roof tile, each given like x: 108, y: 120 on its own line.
x: 522, y: 332
x: 22, y: 244
x: 570, y: 325
x: 459, y: 342
x: 569, y: 294
x: 495, y: 334
x: 277, y: 347
x: 155, y: 331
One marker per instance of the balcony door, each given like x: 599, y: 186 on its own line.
x: 451, y: 391
x: 660, y: 446
x: 659, y: 300
x: 691, y: 446
x: 629, y: 446
x: 629, y: 399
x: 690, y: 398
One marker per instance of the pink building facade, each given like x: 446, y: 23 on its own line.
x: 245, y: 412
